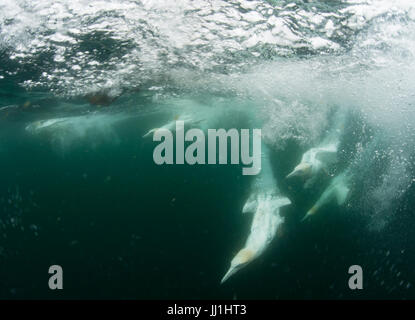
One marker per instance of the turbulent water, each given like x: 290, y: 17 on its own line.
x: 87, y: 195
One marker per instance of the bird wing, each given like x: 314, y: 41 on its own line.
x: 327, y: 154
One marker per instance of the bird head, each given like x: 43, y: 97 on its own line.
x: 310, y: 212
x: 302, y: 170
x: 149, y: 133
x: 242, y: 258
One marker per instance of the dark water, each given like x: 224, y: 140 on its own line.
x: 90, y: 198
x: 123, y: 227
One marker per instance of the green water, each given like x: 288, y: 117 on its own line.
x: 88, y: 196
x: 122, y: 227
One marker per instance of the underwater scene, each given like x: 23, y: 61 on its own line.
x: 207, y: 149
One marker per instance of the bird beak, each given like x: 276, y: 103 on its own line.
x: 148, y: 133
x: 292, y: 174
x: 228, y: 274
x: 305, y: 217
x: 309, y: 213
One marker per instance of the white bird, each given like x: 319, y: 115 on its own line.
x: 190, y: 111
x: 76, y: 124
x: 264, y: 227
x: 320, y: 158
x: 338, y: 190
x: 188, y: 119
x: 265, y: 201
x: 313, y: 161
x: 43, y: 124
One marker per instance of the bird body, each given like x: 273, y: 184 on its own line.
x: 264, y: 202
x: 313, y: 161
x: 338, y: 190
x: 319, y: 158
x: 171, y: 125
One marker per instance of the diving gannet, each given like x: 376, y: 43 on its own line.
x: 265, y: 202
x: 43, y: 124
x: 313, y: 161
x: 337, y: 190
x: 319, y: 158
x: 186, y: 118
